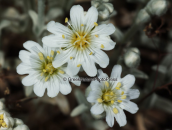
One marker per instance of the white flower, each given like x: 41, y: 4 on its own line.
x: 6, y: 122
x: 38, y: 64
x: 21, y: 127
x: 82, y: 41
x: 113, y: 96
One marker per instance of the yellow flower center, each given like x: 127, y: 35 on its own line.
x: 2, y: 122
x: 49, y: 68
x: 81, y: 40
x: 108, y: 96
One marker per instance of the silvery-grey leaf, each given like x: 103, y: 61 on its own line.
x: 3, y: 24
x: 28, y: 90
x: 34, y: 17
x: 118, y: 35
x: 100, y: 125
x: 53, y: 14
x: 17, y: 122
x: 132, y: 57
x: 162, y: 69
x: 63, y: 103
x: 142, y: 17
x: 80, y: 97
x: 138, y: 74
x: 87, y: 91
x: 2, y: 59
x: 79, y: 110
x: 161, y: 103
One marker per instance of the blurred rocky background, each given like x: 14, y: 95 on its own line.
x: 144, y: 49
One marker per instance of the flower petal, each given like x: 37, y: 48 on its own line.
x: 59, y: 29
x: 39, y: 88
x: 128, y: 81
x: 89, y: 66
x: 104, y: 30
x: 65, y: 87
x: 109, y: 116
x: 133, y: 93
x: 30, y: 44
x: 53, y: 87
x: 97, y: 109
x: 72, y: 68
x: 55, y: 41
x: 96, y: 85
x: 62, y: 58
x: 116, y: 72
x: 93, y: 96
x: 121, y: 117
x: 107, y: 43
x: 25, y: 56
x: 30, y: 79
x: 90, y: 18
x: 100, y: 58
x: 101, y: 74
x: 77, y: 17
x: 23, y: 68
x: 129, y: 106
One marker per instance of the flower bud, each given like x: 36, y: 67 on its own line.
x: 142, y: 17
x: 104, y: 8
x: 157, y: 7
x: 132, y: 57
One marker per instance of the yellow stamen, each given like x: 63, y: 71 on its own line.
x: 52, y: 52
x: 82, y: 24
x: 112, y: 102
x: 100, y: 100
x: 78, y: 65
x: 40, y: 54
x: 44, y: 70
x: 1, y: 117
x: 2, y: 122
x: 58, y: 52
x: 102, y: 46
x: 122, y: 92
x: 71, y: 58
x: 41, y: 58
x: 62, y: 72
x: 66, y: 20
x: 124, y: 97
x: 96, y: 35
x: 96, y: 24
x: 115, y: 110
x: 48, y: 57
x: 91, y: 53
x: 63, y: 36
x: 111, y: 93
x: 117, y: 88
x: 107, y: 84
x: 46, y: 79
x: 51, y: 58
x: 119, y: 101
x: 118, y: 84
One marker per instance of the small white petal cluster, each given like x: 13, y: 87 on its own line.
x: 113, y: 96
x: 37, y: 62
x: 9, y: 123
x: 82, y: 41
